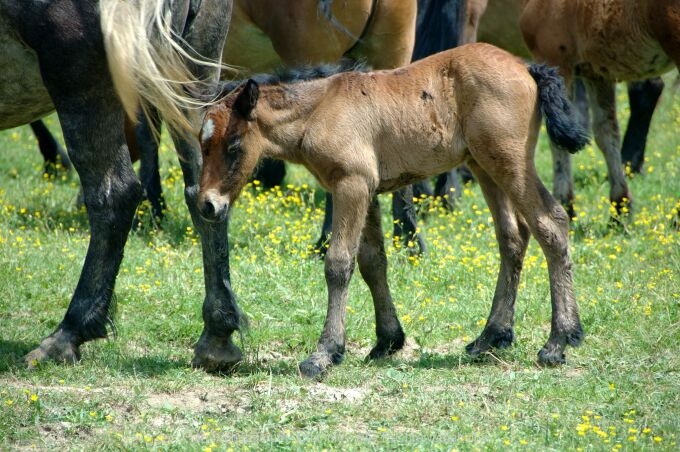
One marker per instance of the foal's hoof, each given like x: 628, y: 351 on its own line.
x: 316, y: 365
x: 490, y: 339
x: 53, y: 348
x: 216, y: 355
x: 386, y: 346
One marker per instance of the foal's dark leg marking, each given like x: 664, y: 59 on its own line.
x: 602, y: 97
x: 513, y: 235
x: 643, y: 97
x: 549, y: 224
x: 373, y: 268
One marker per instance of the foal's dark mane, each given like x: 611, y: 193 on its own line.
x: 294, y: 75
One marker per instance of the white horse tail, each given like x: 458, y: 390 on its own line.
x: 147, y: 64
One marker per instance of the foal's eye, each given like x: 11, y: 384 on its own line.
x: 233, y: 145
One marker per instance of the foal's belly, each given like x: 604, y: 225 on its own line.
x: 23, y: 97
x: 398, y: 168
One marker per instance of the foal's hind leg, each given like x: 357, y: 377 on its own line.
x: 602, y: 96
x: 512, y: 234
x: 549, y: 224
x: 373, y: 268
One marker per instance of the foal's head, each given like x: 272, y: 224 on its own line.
x: 230, y: 144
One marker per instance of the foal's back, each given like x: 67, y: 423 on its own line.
x: 420, y: 120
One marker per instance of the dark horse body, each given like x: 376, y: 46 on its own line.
x: 362, y: 134
x: 54, y: 57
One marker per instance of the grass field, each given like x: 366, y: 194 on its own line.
x: 620, y: 390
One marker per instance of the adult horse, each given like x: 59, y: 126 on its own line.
x: 602, y: 43
x: 499, y: 25
x: 362, y: 134
x: 87, y: 59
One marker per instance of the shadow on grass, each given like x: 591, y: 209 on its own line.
x: 437, y: 361
x: 12, y: 354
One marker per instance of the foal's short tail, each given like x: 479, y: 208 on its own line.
x: 563, y: 128
x: 147, y: 64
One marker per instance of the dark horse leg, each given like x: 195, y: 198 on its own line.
x: 373, y: 267
x: 405, y: 222
x: 215, y: 350
x: 643, y: 97
x: 146, y: 136
x: 517, y: 209
x: 270, y: 173
x: 50, y: 148
x: 75, y: 73
x: 602, y: 98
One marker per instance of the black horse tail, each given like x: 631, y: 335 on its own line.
x: 564, y: 129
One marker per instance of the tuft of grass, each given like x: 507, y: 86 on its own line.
x: 137, y: 391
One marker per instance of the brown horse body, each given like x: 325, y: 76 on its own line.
x: 361, y: 134
x: 298, y: 32
x: 602, y: 43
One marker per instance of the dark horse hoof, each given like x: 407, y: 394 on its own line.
x: 551, y: 355
x: 490, y: 338
x: 216, y: 355
x: 318, y: 363
x: 56, y: 347
x: 386, y: 346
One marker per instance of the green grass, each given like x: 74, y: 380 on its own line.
x: 620, y: 390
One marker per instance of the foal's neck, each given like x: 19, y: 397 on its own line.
x: 282, y: 113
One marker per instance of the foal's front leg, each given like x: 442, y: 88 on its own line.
x: 350, y: 203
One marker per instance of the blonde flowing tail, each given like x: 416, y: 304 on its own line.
x: 147, y: 64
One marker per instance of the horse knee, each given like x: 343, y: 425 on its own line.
x: 338, y: 270
x: 512, y: 246
x: 111, y: 199
x: 552, y: 231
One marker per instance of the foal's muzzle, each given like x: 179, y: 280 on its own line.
x: 212, y: 206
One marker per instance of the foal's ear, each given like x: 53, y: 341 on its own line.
x: 247, y: 99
